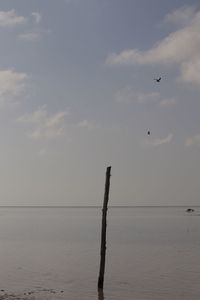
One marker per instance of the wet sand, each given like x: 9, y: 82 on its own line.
x: 38, y: 293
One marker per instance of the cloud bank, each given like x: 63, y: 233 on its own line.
x: 158, y: 142
x: 128, y: 95
x: 180, y: 48
x: 37, y: 17
x: 45, y: 126
x: 12, y: 85
x: 11, y: 19
x: 29, y: 36
x: 193, y: 140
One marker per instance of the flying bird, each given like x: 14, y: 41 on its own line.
x: 148, y: 132
x: 157, y: 79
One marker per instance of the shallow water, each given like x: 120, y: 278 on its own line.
x: 53, y: 253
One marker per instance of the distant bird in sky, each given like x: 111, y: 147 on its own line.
x: 148, y: 132
x: 157, y: 79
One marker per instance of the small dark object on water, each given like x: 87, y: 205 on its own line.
x: 189, y: 210
x: 148, y: 132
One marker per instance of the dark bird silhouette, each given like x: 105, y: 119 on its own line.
x: 148, y: 132
x: 157, y: 79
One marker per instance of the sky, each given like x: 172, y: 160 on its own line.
x: 77, y: 94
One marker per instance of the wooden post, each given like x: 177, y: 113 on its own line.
x: 100, y: 294
x: 103, y: 230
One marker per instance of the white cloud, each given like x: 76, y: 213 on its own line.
x: 158, y: 142
x: 190, y: 70
x: 37, y: 17
x: 29, y: 36
x: 180, y: 48
x: 194, y: 140
x: 86, y: 124
x: 129, y: 95
x: 168, y: 102
x: 175, y: 48
x: 32, y: 36
x: 46, y: 126
x: 11, y: 19
x: 12, y: 85
x: 181, y: 16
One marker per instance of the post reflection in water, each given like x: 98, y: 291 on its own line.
x: 100, y: 295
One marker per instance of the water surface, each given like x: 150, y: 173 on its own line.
x: 152, y: 253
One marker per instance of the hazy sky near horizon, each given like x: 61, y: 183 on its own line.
x: 77, y: 94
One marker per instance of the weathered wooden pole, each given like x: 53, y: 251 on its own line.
x: 100, y: 294
x: 103, y: 230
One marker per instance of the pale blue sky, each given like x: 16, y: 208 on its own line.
x: 77, y: 94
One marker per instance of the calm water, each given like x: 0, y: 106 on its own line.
x: 152, y: 253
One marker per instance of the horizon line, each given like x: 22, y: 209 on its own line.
x: 92, y: 206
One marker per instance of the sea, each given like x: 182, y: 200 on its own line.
x: 153, y: 253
